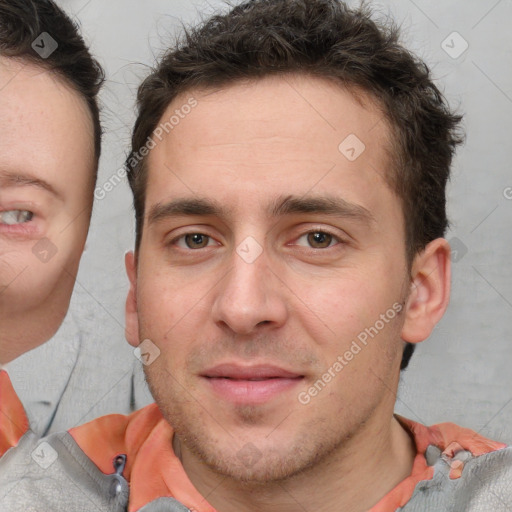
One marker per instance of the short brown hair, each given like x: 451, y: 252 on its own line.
x: 23, y: 21
x: 326, y: 39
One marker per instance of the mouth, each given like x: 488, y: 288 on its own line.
x: 250, y: 384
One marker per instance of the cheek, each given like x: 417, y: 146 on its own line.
x: 165, y: 307
x: 174, y: 315
x: 352, y: 313
x: 13, y: 263
x: 338, y: 307
x: 41, y: 265
x: 31, y: 284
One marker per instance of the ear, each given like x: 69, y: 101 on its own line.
x: 132, y: 319
x: 430, y: 291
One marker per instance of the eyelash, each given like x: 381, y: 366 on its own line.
x: 335, y: 237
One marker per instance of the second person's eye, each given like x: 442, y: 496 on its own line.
x: 13, y: 217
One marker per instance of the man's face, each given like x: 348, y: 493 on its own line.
x: 271, y: 248
x: 46, y: 169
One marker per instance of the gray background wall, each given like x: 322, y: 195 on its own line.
x: 463, y: 373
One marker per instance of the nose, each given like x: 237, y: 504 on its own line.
x: 251, y: 296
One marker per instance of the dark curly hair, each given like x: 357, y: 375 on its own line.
x: 23, y: 21
x: 326, y: 39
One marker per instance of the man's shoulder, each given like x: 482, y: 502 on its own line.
x: 92, y: 465
x: 55, y: 474
x: 86, y: 466
x: 463, y: 470
x: 466, y: 482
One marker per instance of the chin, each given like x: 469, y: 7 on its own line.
x: 263, y: 460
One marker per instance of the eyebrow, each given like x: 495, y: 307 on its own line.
x: 326, y: 205
x: 17, y: 179
x: 280, y: 207
x: 185, y: 208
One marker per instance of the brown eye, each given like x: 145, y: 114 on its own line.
x: 196, y: 240
x: 319, y: 240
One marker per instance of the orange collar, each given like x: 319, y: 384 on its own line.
x: 13, y: 420
x: 152, y: 467
x: 154, y: 471
x: 450, y: 439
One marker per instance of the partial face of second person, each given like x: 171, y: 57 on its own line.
x: 46, y: 181
x: 265, y: 253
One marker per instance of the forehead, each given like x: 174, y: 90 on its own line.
x: 287, y: 134
x: 46, y: 130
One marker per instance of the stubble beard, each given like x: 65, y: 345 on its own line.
x: 316, y: 437
x: 250, y: 462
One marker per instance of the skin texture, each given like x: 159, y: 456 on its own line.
x: 46, y: 135
x: 297, y: 306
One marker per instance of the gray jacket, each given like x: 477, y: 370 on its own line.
x: 55, y: 475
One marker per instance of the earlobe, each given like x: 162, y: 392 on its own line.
x: 430, y: 291
x: 132, y: 321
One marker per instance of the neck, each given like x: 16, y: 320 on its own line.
x: 353, y: 478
